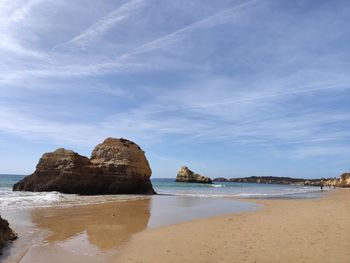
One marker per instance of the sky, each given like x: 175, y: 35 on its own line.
x: 229, y: 88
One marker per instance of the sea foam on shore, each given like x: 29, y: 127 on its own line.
x: 22, y: 200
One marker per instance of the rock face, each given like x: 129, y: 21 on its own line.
x: 6, y: 234
x: 187, y: 176
x: 345, y: 180
x: 116, y: 166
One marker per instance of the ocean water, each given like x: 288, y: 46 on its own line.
x: 18, y: 200
x: 238, y: 190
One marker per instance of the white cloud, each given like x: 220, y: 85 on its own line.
x: 104, y: 24
x: 318, y: 151
x: 12, y: 11
x: 257, y: 119
x: 226, y: 76
x: 62, y: 65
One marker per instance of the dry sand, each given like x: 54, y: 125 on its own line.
x: 314, y: 230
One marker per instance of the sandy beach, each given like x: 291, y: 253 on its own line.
x: 162, y: 229
x: 316, y: 230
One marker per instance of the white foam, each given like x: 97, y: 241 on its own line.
x: 247, y: 193
x: 218, y: 185
x: 23, y: 200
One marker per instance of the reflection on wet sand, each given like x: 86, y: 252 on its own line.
x: 96, y: 233
x: 167, y: 210
x: 106, y: 225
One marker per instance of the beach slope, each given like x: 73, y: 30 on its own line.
x: 313, y: 230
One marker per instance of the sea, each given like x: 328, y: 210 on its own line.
x: 163, y: 186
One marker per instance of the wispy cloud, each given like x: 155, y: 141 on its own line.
x: 125, y: 62
x: 30, y: 127
x: 106, y: 23
x: 317, y: 151
x: 247, y: 120
x: 261, y: 75
x: 15, y: 11
x: 174, y: 36
x: 12, y: 14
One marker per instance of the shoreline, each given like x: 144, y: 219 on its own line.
x: 302, y: 230
x: 111, y: 232
x: 94, y: 232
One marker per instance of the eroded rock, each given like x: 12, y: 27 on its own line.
x: 187, y: 176
x: 117, y: 166
x: 6, y: 233
x: 345, y: 180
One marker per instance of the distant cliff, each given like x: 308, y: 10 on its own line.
x: 343, y: 181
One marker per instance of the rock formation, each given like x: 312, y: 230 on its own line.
x: 116, y: 166
x: 6, y: 234
x: 345, y: 180
x: 187, y: 176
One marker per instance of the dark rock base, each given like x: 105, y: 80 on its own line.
x: 6, y: 233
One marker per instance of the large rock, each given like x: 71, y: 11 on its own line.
x: 117, y: 166
x: 187, y: 176
x: 6, y: 234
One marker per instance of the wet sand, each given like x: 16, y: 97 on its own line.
x: 88, y: 233
x: 98, y: 233
x: 314, y: 230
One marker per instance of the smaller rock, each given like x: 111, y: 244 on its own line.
x: 6, y: 233
x: 185, y: 175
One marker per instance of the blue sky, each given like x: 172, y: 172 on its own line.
x: 229, y: 88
